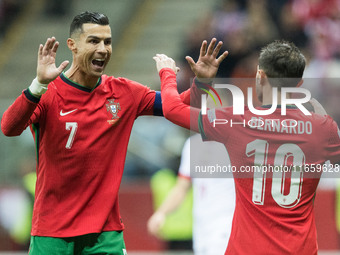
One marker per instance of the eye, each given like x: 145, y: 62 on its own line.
x: 108, y: 42
x: 93, y: 41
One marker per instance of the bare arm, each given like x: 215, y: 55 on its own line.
x: 170, y: 204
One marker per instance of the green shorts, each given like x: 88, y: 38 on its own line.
x: 111, y: 243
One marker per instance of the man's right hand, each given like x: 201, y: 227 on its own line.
x: 155, y: 223
x: 207, y: 64
x: 46, y: 68
x: 163, y: 61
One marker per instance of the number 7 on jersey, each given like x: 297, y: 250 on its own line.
x: 73, y: 127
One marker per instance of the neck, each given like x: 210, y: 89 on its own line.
x: 83, y: 79
x: 268, y: 96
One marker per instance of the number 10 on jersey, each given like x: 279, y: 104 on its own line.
x: 259, y: 149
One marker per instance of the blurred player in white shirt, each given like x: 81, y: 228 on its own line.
x: 214, y: 198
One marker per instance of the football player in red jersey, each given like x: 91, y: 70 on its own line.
x: 81, y: 121
x: 274, y: 212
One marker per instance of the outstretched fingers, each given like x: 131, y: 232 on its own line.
x: 47, y: 70
x: 211, y: 50
x: 51, y: 45
x: 203, y: 49
x: 47, y: 46
x: 217, y: 49
x: 211, y: 46
x: 40, y: 51
x: 222, y: 57
x: 55, y: 47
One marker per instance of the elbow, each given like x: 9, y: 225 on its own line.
x: 174, y: 115
x: 168, y: 113
x: 8, y: 131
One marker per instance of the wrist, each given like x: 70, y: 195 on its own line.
x: 201, y: 82
x: 165, y: 69
x: 160, y: 214
x: 204, y: 80
x: 36, y: 88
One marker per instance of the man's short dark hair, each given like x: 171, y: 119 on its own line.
x: 283, y: 63
x: 88, y: 17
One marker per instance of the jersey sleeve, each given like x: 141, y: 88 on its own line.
x: 193, y: 95
x: 144, y: 98
x: 216, y: 124
x: 184, y: 167
x: 25, y: 110
x: 150, y: 101
x: 173, y: 107
x: 333, y: 148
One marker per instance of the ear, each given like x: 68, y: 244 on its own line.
x: 71, y: 44
x: 261, y: 75
x: 300, y: 83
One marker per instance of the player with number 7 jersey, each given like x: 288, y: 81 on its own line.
x: 275, y: 185
x: 81, y: 120
x: 81, y: 136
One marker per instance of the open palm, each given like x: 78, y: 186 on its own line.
x: 207, y: 63
x: 47, y: 70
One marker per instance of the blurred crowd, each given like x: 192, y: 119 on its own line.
x: 245, y: 26
x: 9, y: 10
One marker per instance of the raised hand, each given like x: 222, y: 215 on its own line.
x: 155, y: 223
x: 163, y: 61
x: 47, y: 70
x: 207, y: 63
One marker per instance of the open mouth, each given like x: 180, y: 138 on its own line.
x: 98, y: 62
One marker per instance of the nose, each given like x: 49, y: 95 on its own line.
x: 101, y: 47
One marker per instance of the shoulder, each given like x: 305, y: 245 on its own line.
x: 132, y: 86
x: 120, y: 81
x: 324, y: 121
x: 111, y: 80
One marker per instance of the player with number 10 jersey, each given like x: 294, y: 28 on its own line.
x: 274, y: 195
x: 274, y: 204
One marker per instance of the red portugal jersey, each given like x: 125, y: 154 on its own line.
x: 274, y: 208
x: 81, y: 137
x: 276, y: 162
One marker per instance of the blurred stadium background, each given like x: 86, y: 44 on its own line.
x: 140, y: 29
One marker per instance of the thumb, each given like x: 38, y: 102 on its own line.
x: 222, y: 57
x: 190, y: 61
x: 63, y: 66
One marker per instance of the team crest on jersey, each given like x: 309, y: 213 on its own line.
x: 113, y: 107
